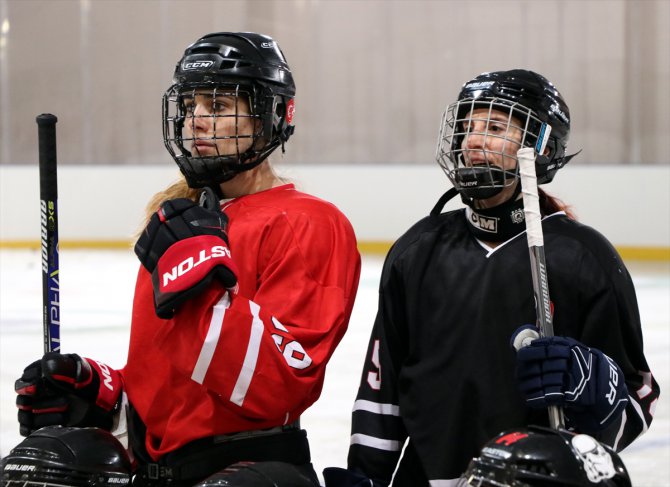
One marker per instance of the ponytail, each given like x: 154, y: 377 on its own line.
x: 178, y: 189
x: 550, y: 204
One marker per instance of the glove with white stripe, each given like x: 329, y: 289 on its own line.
x: 185, y: 247
x: 564, y: 372
x: 64, y: 389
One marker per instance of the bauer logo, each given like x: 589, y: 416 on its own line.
x: 555, y: 109
x: 496, y: 453
x: 197, y: 65
x: 118, y: 480
x: 478, y: 85
x: 19, y: 467
x: 484, y: 223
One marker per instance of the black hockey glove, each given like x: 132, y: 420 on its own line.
x: 561, y: 371
x: 185, y: 246
x: 64, y: 389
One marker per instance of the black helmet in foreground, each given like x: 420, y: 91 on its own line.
x: 246, y: 88
x: 65, y: 456
x: 544, y: 457
x: 514, y: 109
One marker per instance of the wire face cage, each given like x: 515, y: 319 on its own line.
x: 219, y: 117
x: 479, y: 139
x: 210, y: 129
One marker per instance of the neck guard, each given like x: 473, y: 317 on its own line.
x: 497, y: 224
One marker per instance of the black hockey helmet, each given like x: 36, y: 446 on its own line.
x: 530, y: 102
x: 229, y: 64
x: 546, y: 457
x: 66, y: 456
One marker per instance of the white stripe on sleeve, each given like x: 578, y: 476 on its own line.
x: 211, y: 340
x: 646, y: 388
x: 379, y: 443
x: 376, y: 407
x: 251, y: 357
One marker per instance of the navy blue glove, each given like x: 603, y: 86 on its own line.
x: 563, y: 372
x: 341, y: 477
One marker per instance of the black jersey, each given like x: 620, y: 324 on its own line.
x: 439, y: 368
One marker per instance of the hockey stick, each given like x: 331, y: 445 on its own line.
x: 46, y: 134
x: 538, y: 266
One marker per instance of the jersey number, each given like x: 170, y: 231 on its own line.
x: 292, y: 351
x: 375, y: 377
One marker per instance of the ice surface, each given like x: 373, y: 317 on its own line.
x: 96, y: 297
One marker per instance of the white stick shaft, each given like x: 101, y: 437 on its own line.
x: 531, y: 204
x: 531, y: 199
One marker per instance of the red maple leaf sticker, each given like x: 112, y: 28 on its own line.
x: 510, y: 438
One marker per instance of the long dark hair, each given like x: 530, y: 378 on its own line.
x: 550, y: 204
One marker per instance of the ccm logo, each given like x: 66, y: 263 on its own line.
x: 191, y: 263
x: 197, y: 65
x: 485, y: 223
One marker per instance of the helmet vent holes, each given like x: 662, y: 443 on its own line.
x: 228, y: 64
x: 534, y: 467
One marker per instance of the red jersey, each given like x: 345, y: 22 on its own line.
x: 255, y: 360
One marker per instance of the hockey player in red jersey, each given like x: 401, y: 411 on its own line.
x: 440, y: 377
x: 246, y: 288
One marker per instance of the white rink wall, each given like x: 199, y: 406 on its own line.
x: 104, y: 204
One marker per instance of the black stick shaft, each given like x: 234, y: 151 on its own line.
x: 46, y: 133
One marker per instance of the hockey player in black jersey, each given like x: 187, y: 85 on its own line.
x: 440, y: 377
